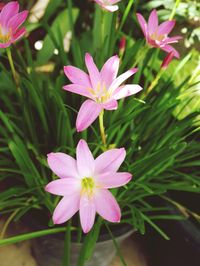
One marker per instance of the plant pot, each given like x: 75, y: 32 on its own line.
x: 49, y: 250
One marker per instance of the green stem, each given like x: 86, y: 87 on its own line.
x: 5, y: 226
x: 89, y: 243
x: 155, y: 81
x: 125, y: 15
x: 142, y: 55
x: 102, y: 129
x: 174, y: 9
x: 14, y: 73
x: 9, y: 220
x: 116, y: 246
x: 23, y: 237
x: 67, y: 245
x: 75, y: 45
x: 185, y: 211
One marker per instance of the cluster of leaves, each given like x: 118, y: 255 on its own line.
x: 39, y: 117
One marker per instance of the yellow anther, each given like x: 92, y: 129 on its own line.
x: 4, y: 37
x: 87, y: 185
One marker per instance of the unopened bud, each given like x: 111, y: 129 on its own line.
x: 122, y: 46
x: 167, y: 60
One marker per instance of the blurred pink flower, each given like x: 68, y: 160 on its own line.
x: 167, y: 60
x: 84, y: 184
x: 10, y: 21
x: 157, y: 35
x: 108, y: 5
x: 102, y: 88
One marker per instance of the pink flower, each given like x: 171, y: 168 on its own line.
x: 84, y: 185
x: 102, y: 88
x: 10, y: 21
x: 108, y: 5
x: 157, y: 35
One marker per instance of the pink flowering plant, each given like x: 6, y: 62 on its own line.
x: 10, y: 21
x: 108, y: 5
x: 99, y: 126
x: 157, y: 35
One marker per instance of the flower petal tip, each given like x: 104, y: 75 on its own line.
x: 86, y: 230
x: 82, y: 142
x: 87, y: 55
x: 123, y: 150
x: 55, y: 221
x: 134, y: 70
x: 78, y: 128
x: 46, y: 188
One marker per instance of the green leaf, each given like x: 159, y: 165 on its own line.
x: 28, y: 236
x: 61, y: 24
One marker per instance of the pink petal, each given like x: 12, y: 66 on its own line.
x: 77, y: 76
x: 16, y: 21
x: 114, y: 1
x: 166, y: 27
x: 78, y: 89
x: 66, y: 208
x: 7, y: 12
x: 113, y: 180
x: 109, y: 70
x: 143, y: 24
x: 93, y: 70
x: 106, y: 206
x: 111, y: 8
x: 64, y: 186
x: 100, y: 2
x: 85, y: 159
x: 169, y: 48
x: 87, y: 213
x: 173, y: 39
x: 87, y: 114
x: 5, y: 45
x: 125, y: 91
x: 111, y: 105
x: 118, y: 81
x: 62, y: 165
x: 152, y: 22
x: 109, y: 161
x: 19, y: 34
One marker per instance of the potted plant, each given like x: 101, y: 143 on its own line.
x: 90, y: 164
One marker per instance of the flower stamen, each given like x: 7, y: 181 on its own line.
x: 5, y: 36
x: 87, y: 184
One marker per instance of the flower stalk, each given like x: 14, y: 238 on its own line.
x: 66, y: 258
x: 102, y: 129
x: 14, y: 72
x: 155, y: 81
x: 12, y: 66
x: 142, y: 55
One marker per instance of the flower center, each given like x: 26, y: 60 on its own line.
x: 156, y: 37
x: 87, y: 184
x: 106, y: 2
x: 4, y: 35
x: 100, y: 93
